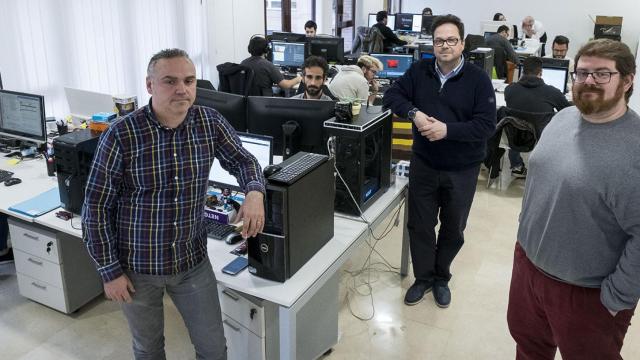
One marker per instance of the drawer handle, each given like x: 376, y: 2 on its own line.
x: 35, y: 261
x: 232, y: 296
x: 39, y: 286
x: 31, y: 236
x: 230, y: 325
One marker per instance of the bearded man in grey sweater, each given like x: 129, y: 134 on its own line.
x: 576, y: 270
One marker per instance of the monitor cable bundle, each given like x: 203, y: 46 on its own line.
x: 368, y: 266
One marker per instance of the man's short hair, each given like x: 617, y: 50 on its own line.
x: 258, y: 46
x: 532, y: 66
x: 612, y: 50
x: 497, y: 16
x: 503, y: 28
x: 448, y: 19
x: 427, y: 11
x: 166, y: 54
x: 561, y: 40
x: 318, y: 61
x: 311, y: 24
x: 369, y: 61
x: 381, y: 15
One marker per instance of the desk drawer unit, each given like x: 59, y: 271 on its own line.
x: 38, y: 268
x: 42, y: 292
x: 242, y: 310
x: 34, y: 240
x: 242, y: 344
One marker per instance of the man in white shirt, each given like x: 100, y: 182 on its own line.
x: 533, y: 29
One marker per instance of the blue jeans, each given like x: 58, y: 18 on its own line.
x: 195, y: 295
x: 515, y: 159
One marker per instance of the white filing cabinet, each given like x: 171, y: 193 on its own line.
x: 53, y: 268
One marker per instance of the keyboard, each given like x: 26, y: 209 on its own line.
x: 217, y: 230
x: 293, y: 171
x: 5, y: 175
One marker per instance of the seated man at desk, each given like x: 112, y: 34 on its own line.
x: 533, y: 29
x: 353, y: 82
x: 390, y: 39
x: 559, y: 50
x: 310, y: 28
x: 265, y: 74
x: 144, y: 207
x: 503, y: 50
x: 531, y: 94
x: 314, y: 74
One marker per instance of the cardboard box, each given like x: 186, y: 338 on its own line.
x: 607, y: 26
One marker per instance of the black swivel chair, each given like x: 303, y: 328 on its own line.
x: 472, y: 42
x: 205, y: 84
x: 236, y: 79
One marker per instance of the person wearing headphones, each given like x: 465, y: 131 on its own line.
x: 265, y: 73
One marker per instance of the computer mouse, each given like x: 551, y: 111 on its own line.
x: 233, y: 238
x: 271, y: 169
x: 12, y: 181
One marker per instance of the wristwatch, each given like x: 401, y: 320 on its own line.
x: 411, y: 115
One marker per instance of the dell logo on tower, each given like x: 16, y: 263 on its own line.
x: 264, y: 248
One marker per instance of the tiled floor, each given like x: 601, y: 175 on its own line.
x: 473, y: 327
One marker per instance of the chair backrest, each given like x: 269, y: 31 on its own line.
x: 472, y: 42
x: 523, y: 128
x: 236, y: 79
x: 376, y: 41
x: 361, y: 41
x: 205, y: 84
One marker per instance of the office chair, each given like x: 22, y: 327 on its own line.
x: 376, y: 41
x: 361, y: 42
x: 236, y: 79
x: 472, y: 42
x: 205, y: 84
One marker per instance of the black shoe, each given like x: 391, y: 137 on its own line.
x: 442, y: 295
x: 519, y: 172
x: 416, y: 292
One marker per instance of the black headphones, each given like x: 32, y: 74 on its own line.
x: 266, y: 49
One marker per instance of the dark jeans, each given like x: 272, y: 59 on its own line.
x: 194, y: 293
x: 545, y: 314
x: 434, y: 194
x: 515, y: 159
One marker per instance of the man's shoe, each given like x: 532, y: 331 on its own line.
x: 519, y: 172
x: 442, y: 295
x: 416, y: 292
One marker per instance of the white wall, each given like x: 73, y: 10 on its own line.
x: 230, y: 26
x: 366, y: 7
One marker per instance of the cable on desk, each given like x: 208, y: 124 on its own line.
x: 73, y: 227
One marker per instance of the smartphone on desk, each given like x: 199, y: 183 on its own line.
x: 236, y: 266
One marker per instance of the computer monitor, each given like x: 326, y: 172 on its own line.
x: 394, y: 65
x: 330, y: 48
x: 488, y: 34
x: 232, y: 106
x: 425, y: 51
x: 303, y: 120
x: 83, y: 104
x: 259, y: 146
x: 427, y: 21
x: 286, y: 36
x: 22, y: 116
x: 289, y: 54
x: 555, y: 72
x: 409, y: 22
x: 391, y: 21
x: 492, y: 26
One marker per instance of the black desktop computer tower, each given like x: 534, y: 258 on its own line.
x: 298, y: 222
x: 73, y: 156
x: 363, y: 158
x: 484, y: 58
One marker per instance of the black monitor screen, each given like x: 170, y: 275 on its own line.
x: 330, y: 48
x: 409, y: 22
x: 233, y: 107
x: 391, y: 21
x: 394, y: 65
x: 22, y: 116
x: 288, y: 53
x: 305, y: 118
x: 427, y: 21
x: 258, y: 145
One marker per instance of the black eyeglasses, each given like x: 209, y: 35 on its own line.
x: 599, y: 77
x: 449, y: 41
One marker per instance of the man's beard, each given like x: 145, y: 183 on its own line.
x: 599, y: 104
x: 313, y: 91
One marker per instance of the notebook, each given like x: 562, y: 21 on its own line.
x: 40, y: 204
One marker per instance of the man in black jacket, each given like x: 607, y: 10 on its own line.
x: 452, y: 106
x: 531, y: 94
x: 390, y: 39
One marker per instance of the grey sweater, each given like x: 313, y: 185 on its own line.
x: 580, y: 219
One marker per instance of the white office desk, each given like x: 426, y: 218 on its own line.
x: 529, y: 50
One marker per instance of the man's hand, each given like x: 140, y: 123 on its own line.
x: 252, y: 214
x: 431, y: 128
x: 374, y: 86
x: 118, y: 289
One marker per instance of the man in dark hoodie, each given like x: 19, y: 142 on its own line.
x: 452, y: 106
x: 531, y: 94
x: 390, y: 39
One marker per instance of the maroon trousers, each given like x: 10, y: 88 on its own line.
x: 545, y: 314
